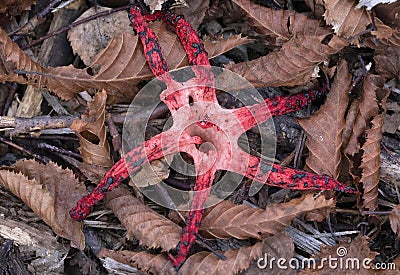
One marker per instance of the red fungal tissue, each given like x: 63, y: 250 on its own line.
x: 219, y: 126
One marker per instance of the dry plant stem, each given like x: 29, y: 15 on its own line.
x: 26, y: 125
x: 288, y: 159
x: 205, y: 243
x: 26, y: 151
x: 67, y: 28
x: 58, y: 150
x: 390, y: 153
x: 36, y: 20
x: 375, y: 212
x: 52, y: 137
x: 159, y: 111
x: 299, y: 149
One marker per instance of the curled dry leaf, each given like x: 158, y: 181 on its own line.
x: 292, y: 65
x: 154, y: 263
x: 394, y: 218
x: 117, y: 69
x: 357, y: 249
x: 281, y: 24
x: 363, y: 149
x: 50, y: 192
x: 345, y: 19
x: 91, y: 131
x: 370, y: 102
x: 370, y: 162
x: 236, y: 261
x: 324, y: 128
x: 143, y: 223
x: 351, y: 117
x: 227, y: 220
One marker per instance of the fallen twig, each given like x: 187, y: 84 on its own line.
x: 19, y: 125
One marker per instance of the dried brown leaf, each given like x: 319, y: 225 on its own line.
x: 282, y: 24
x: 50, y: 192
x: 394, y: 39
x: 382, y: 32
x: 152, y: 173
x: 117, y: 69
x: 13, y: 7
x: 227, y: 220
x: 363, y: 149
x: 13, y: 58
x: 394, y: 218
x: 373, y: 94
x: 384, y: 37
x: 89, y: 38
x: 392, y: 120
x: 346, y: 20
x: 324, y: 129
x: 199, y: 263
x: 236, y: 261
x: 388, y: 62
x: 357, y: 249
x: 127, y: 65
x: 277, y: 246
x: 388, y: 13
x: 143, y: 223
x: 154, y: 263
x: 292, y: 65
x: 316, y: 8
x: 351, y: 117
x: 92, y: 133
x: 370, y: 162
